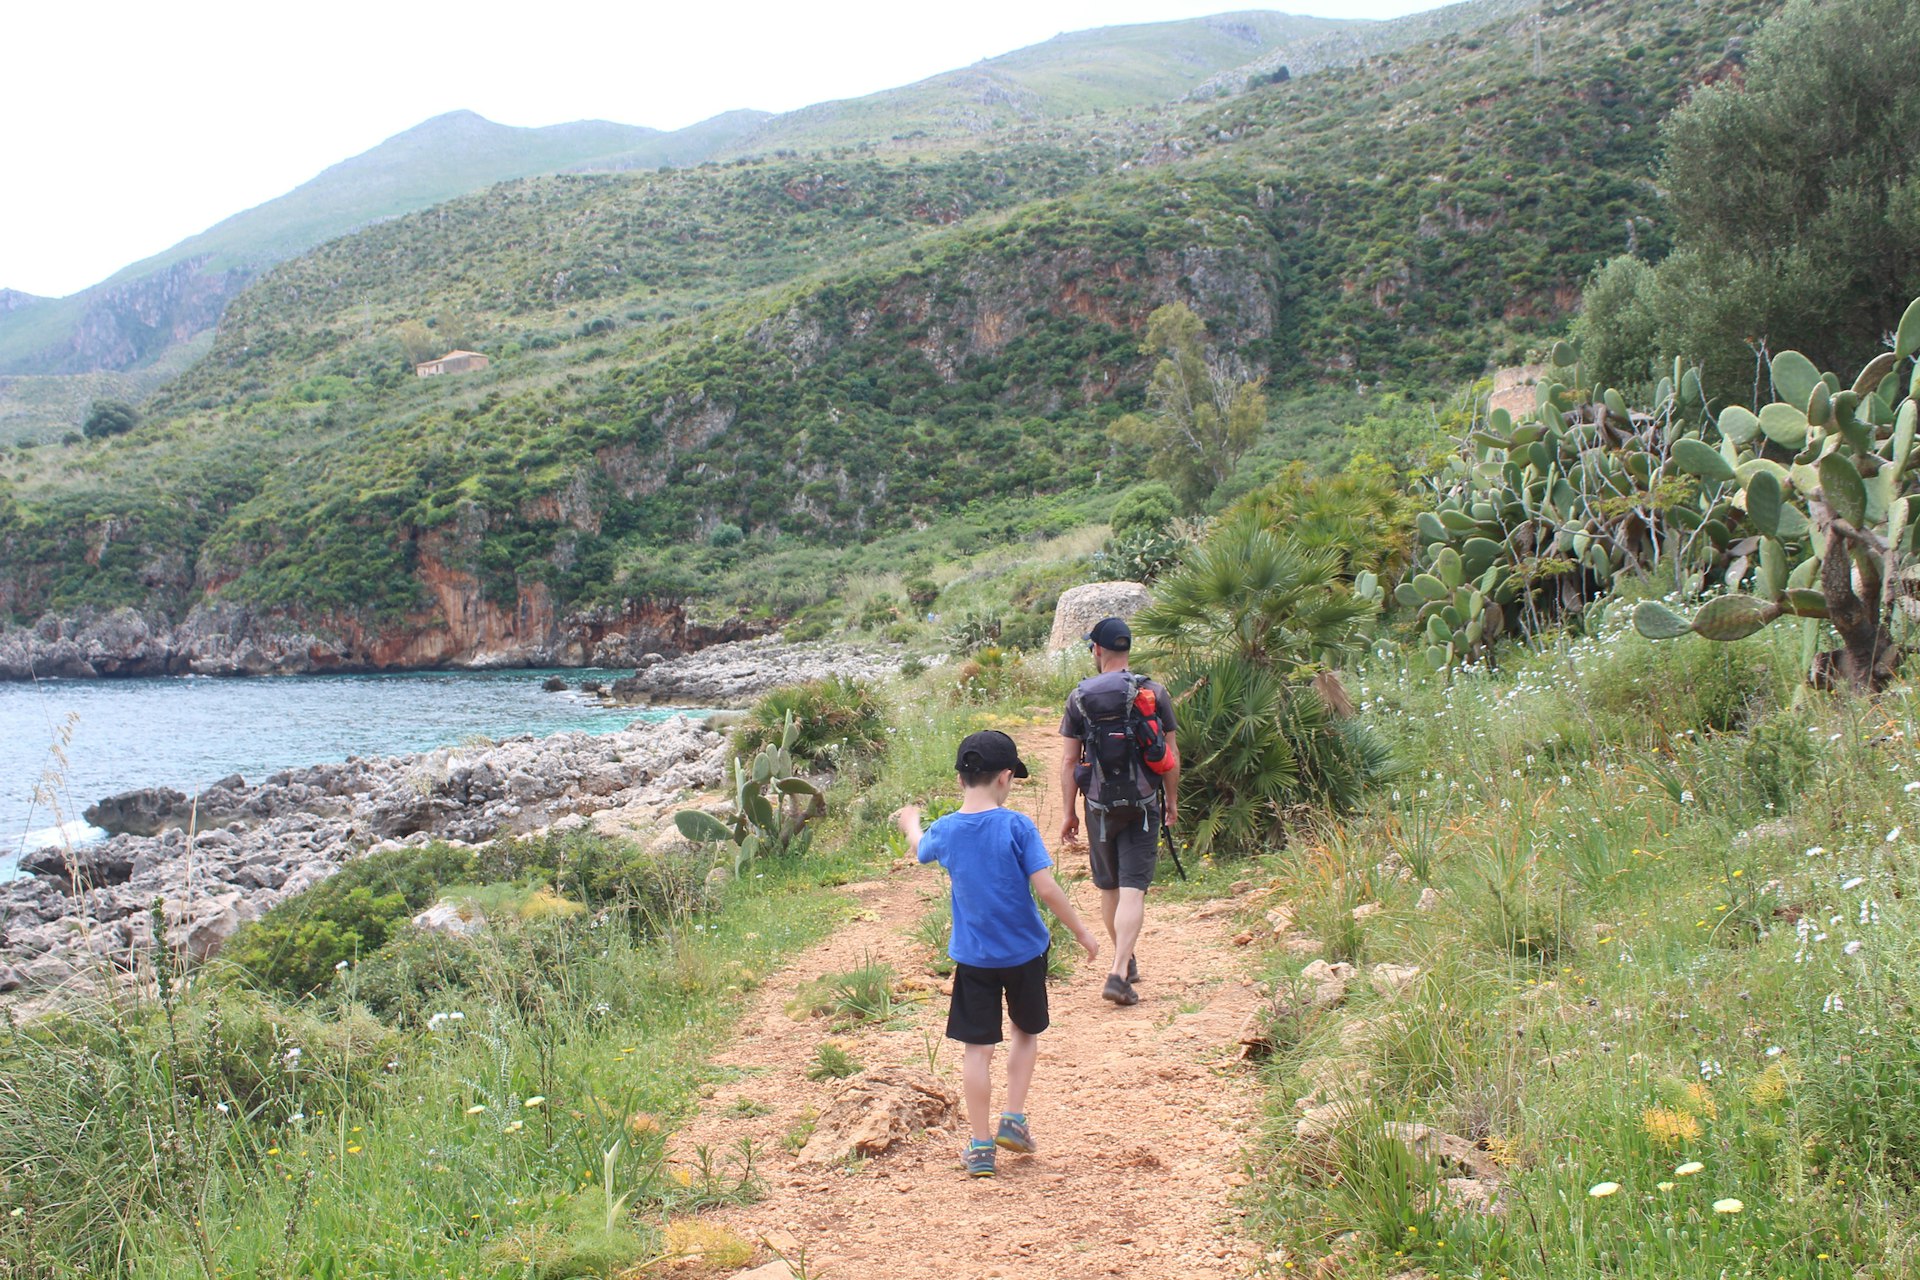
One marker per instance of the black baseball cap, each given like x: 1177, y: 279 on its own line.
x: 1112, y: 633
x: 988, y: 751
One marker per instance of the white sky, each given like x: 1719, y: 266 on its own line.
x: 126, y: 127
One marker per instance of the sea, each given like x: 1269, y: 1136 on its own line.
x: 67, y: 743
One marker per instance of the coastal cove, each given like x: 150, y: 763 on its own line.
x: 186, y: 732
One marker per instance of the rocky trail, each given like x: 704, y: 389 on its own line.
x: 1140, y: 1113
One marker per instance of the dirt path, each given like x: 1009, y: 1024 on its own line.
x: 1139, y: 1113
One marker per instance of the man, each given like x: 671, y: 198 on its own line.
x: 1124, y: 812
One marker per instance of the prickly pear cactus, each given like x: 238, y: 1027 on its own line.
x: 1539, y: 517
x: 1813, y: 497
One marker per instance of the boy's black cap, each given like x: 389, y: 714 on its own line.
x: 1112, y: 633
x: 988, y: 751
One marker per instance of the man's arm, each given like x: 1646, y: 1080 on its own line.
x: 1069, y: 791
x: 1170, y: 783
x: 1048, y: 890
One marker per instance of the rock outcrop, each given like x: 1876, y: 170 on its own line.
x: 1080, y: 607
x: 74, y: 910
x: 730, y: 675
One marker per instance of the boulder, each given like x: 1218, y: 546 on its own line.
x: 875, y: 1110
x: 84, y: 866
x: 144, y: 812
x: 451, y: 918
x: 1080, y: 607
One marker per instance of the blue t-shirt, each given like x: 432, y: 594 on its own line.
x: 990, y: 855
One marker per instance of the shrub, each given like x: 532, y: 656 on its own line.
x: 295, y: 946
x: 840, y: 719
x: 1146, y: 507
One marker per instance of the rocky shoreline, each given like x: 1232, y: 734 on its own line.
x: 76, y: 910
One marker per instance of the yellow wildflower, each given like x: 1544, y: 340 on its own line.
x: 1699, y: 1100
x: 1669, y: 1127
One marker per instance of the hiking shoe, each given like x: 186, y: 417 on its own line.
x: 1133, y: 970
x: 1119, y: 990
x: 979, y: 1159
x: 1014, y: 1136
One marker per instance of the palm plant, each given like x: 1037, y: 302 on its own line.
x: 1255, y: 593
x: 1244, y: 626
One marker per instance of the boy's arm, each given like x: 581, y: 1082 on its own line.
x: 1048, y: 890
x: 907, y: 818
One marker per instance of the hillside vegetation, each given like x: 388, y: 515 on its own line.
x: 822, y: 348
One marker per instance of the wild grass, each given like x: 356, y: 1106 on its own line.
x: 1664, y: 954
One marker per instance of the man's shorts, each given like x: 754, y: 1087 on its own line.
x: 973, y: 1017
x: 1123, y: 847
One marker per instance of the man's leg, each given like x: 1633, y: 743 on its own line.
x: 1124, y: 920
x: 976, y: 1080
x: 1022, y: 1051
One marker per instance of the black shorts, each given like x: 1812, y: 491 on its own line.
x: 974, y: 1015
x: 1123, y: 847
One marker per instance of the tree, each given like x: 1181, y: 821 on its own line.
x: 109, y: 418
x: 1200, y: 416
x: 420, y: 342
x: 1795, y: 192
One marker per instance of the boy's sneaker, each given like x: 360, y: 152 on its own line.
x: 979, y: 1159
x: 1014, y: 1135
x: 1119, y: 990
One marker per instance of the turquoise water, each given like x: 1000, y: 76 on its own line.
x: 75, y: 741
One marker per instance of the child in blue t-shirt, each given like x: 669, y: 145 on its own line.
x: 999, y: 948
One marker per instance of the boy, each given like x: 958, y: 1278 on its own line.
x: 1000, y: 941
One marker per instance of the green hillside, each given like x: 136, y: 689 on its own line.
x: 816, y: 351
x: 1104, y: 69
x: 434, y: 161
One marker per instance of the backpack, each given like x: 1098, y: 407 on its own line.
x: 1124, y: 750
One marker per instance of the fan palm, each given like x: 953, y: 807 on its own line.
x: 1258, y: 595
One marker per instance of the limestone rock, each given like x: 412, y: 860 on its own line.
x: 1446, y: 1148
x: 451, y: 918
x: 1392, y: 980
x: 875, y: 1110
x: 775, y: 1270
x: 1322, y: 1121
x: 1329, y: 982
x: 1429, y: 899
x: 1080, y: 607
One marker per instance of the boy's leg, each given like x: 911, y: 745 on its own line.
x: 1027, y: 1009
x: 976, y: 1080
x: 1023, y: 1050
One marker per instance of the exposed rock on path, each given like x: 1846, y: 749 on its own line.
x: 256, y: 845
x: 1139, y: 1112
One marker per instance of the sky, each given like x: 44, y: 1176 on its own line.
x: 128, y: 127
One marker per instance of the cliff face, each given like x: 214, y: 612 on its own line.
x: 126, y: 325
